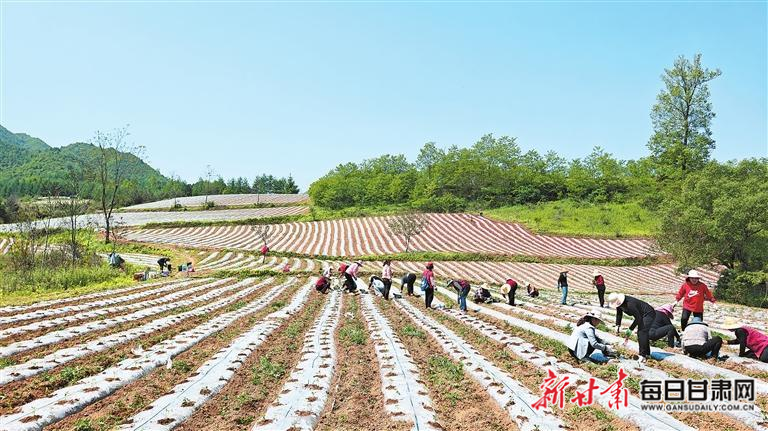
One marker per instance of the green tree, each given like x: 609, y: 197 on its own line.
x: 720, y: 216
x: 682, y: 139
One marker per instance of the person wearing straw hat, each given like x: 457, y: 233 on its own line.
x: 584, y: 340
x: 599, y: 282
x: 693, y: 293
x: 643, y: 314
x: 662, y: 326
x: 508, y: 290
x: 562, y: 285
x: 748, y: 337
x: 698, y: 341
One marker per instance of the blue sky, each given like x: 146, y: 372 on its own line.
x: 298, y: 88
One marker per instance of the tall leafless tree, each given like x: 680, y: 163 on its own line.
x: 112, y: 159
x: 408, y: 226
x: 262, y: 233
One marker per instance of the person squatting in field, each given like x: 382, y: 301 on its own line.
x: 508, y: 290
x: 482, y: 295
x: 462, y: 288
x: 584, y: 340
x: 698, y: 341
x: 644, y: 316
x: 428, y: 284
x: 752, y: 343
x: 530, y: 290
x: 662, y: 326
x: 693, y: 293
x: 599, y: 282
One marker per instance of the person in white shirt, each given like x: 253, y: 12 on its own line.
x: 584, y: 340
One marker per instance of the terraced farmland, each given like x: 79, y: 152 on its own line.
x: 226, y: 200
x: 371, y: 236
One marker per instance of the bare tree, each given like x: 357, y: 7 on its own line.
x: 75, y: 205
x: 262, y: 232
x: 209, y: 174
x: 408, y: 226
x: 112, y: 159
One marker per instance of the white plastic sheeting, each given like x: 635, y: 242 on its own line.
x: 304, y: 395
x: 38, y: 365
x: 69, y: 400
x: 645, y: 420
x: 399, y: 375
x: 172, y: 409
x: 76, y: 331
x: 508, y: 393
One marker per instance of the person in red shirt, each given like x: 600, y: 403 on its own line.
x: 693, y: 293
x: 599, y: 282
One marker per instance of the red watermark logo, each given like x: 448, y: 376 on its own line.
x: 554, y: 392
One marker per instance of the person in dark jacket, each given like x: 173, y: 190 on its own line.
x: 644, y: 315
x: 562, y: 285
x: 599, y: 282
x: 508, y: 290
x: 483, y: 295
x: 662, y: 326
x: 462, y: 288
x: 530, y: 290
x: 163, y: 262
x: 407, y: 283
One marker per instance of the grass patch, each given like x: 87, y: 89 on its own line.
x: 448, y: 376
x: 352, y: 333
x: 237, y: 305
x: 266, y: 370
x: 6, y: 362
x: 574, y: 218
x: 181, y: 366
x: 412, y: 331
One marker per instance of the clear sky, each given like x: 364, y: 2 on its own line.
x: 300, y: 87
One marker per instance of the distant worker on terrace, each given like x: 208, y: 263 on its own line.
x: 693, y: 293
x: 644, y: 316
x: 428, y: 284
x: 584, y: 340
x: 599, y: 282
x: 508, y: 290
x: 750, y: 338
x: 562, y: 285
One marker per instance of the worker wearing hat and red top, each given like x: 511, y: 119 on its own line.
x: 693, y: 293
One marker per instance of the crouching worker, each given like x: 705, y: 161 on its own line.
x: 644, y: 316
x: 750, y: 338
x: 462, y: 288
x: 378, y: 284
x: 531, y: 291
x: 584, y: 340
x: 662, y: 326
x: 323, y: 284
x: 482, y: 294
x: 698, y: 341
x: 350, y: 276
x: 407, y: 284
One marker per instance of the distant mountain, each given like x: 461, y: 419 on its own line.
x: 30, y: 167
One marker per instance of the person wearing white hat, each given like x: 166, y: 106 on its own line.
x: 693, y: 293
x: 643, y: 314
x: 698, y: 341
x: 584, y: 340
x: 748, y: 337
x: 599, y: 282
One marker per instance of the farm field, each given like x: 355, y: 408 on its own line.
x: 371, y: 236
x: 141, y: 218
x: 225, y: 200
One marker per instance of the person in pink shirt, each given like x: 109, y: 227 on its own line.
x: 350, y: 276
x: 693, y: 293
x: 428, y: 284
x: 386, y: 274
x: 752, y: 343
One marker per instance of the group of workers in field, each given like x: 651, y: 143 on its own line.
x: 650, y: 323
